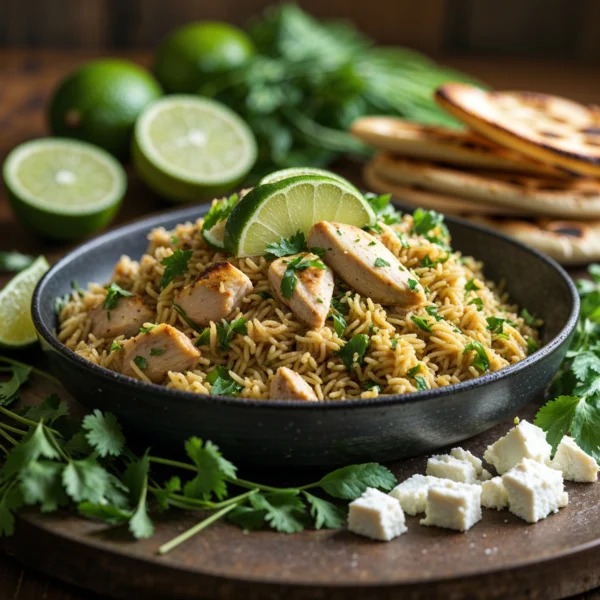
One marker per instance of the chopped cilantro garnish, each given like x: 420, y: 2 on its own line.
x: 157, y: 351
x: 148, y: 328
x: 226, y: 330
x: 471, y: 285
x: 287, y: 246
x: 115, y: 346
x: 427, y: 262
x: 478, y: 302
x: 219, y: 211
x: 186, y: 319
x: 421, y: 383
x: 289, y: 281
x: 204, y: 338
x: 140, y: 362
x: 373, y: 243
x: 221, y: 382
x: 532, y: 345
x: 339, y: 323
x: 114, y: 293
x: 176, y: 264
x: 403, y: 241
x: 481, y: 360
x: 383, y: 208
x: 394, y: 343
x: 380, y: 262
x: 371, y: 385
x: 265, y: 295
x: 353, y: 351
x: 421, y: 323
x: 432, y: 311
x: 412, y: 372
x: 412, y: 284
x: 528, y: 318
x: 495, y: 324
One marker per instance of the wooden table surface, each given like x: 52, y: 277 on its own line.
x: 26, y: 80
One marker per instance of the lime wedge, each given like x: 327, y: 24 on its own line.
x: 273, y: 211
x: 296, y: 171
x: 187, y: 148
x: 16, y: 326
x: 62, y: 188
x: 215, y: 237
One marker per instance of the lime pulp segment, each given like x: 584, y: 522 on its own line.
x: 16, y: 326
x: 273, y: 211
x: 196, y: 140
x: 64, y: 176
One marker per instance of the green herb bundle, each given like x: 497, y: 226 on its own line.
x: 51, y: 460
x: 310, y: 80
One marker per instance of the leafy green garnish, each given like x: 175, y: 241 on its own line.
x: 421, y: 323
x: 115, y: 346
x: 226, y: 330
x: 432, y: 311
x: 114, y: 293
x: 353, y: 351
x: 528, y: 317
x: 532, y: 345
x: 287, y: 246
x: 339, y: 323
x: 104, y: 433
x: 156, y: 351
x: 380, y: 262
x: 425, y: 222
x: 383, y: 208
x: 414, y: 370
x: 403, y: 241
x: 300, y: 263
x: 175, y: 265
x: 221, y: 382
x: 13, y: 262
x: 478, y: 302
x: 481, y: 360
x: 186, y: 319
x: 421, y: 383
x: 219, y: 211
x: 9, y: 390
x: 427, y: 262
x: 370, y: 385
x: 148, y: 328
x: 141, y: 362
x: 412, y: 284
x: 495, y: 324
x: 204, y: 338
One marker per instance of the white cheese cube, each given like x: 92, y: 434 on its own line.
x: 453, y: 505
x: 445, y: 466
x: 522, y: 441
x: 376, y: 515
x: 494, y: 494
x: 485, y: 475
x: 412, y: 493
x: 462, y: 454
x: 534, y: 490
x: 573, y: 462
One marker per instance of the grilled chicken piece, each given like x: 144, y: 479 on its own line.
x: 125, y: 318
x: 311, y: 298
x: 365, y: 264
x: 159, y: 351
x: 215, y: 293
x: 288, y: 385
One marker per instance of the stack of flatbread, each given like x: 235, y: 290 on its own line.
x: 528, y: 165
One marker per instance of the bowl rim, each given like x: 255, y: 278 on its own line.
x: 194, y: 212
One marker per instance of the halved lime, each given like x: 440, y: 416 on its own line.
x: 273, y: 211
x: 64, y: 189
x: 187, y: 148
x: 16, y: 326
x: 296, y: 171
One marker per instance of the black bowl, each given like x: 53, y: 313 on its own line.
x: 298, y: 433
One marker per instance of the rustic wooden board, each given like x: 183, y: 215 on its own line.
x: 500, y: 557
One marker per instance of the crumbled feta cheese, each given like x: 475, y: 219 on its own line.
x: 573, y: 462
x: 412, y: 493
x: 453, y: 505
x: 534, y: 490
x: 376, y: 515
x: 462, y: 454
x: 494, y: 494
x: 445, y: 466
x: 522, y: 441
x: 485, y: 475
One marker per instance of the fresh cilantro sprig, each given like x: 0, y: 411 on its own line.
x: 219, y: 211
x: 353, y: 351
x: 222, y: 383
x: 114, y: 292
x: 481, y: 360
x: 52, y: 461
x: 383, y: 208
x: 287, y: 246
x: 225, y: 331
x: 289, y: 280
x: 175, y: 265
x: 426, y: 222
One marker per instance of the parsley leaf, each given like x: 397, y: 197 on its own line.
x: 425, y: 222
x: 104, y: 433
x: 353, y: 351
x: 325, y: 513
x: 478, y: 302
x: 380, y: 262
x: 284, y: 512
x: 586, y: 425
x: 221, y: 382
x: 114, y: 293
x: 427, y: 262
x: 348, y: 483
x: 421, y: 323
x: 370, y: 385
x: 584, y: 364
x: 176, y: 264
x: 481, y: 360
x: 555, y: 418
x: 289, y: 280
x: 287, y: 246
x: 186, y: 319
x: 13, y: 262
x: 34, y: 445
x: 226, y: 330
x: 247, y: 517
x: 41, y: 483
x: 51, y: 409
x: 495, y: 324
x: 85, y: 480
x: 219, y: 211
x: 383, y: 208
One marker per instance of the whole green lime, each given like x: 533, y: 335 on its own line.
x: 100, y: 102
x: 195, y: 53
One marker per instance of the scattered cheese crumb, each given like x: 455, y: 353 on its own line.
x: 485, y: 475
x: 516, y: 420
x: 534, y: 490
x: 445, y: 466
x: 494, y: 494
x: 453, y: 505
x: 573, y: 462
x: 412, y: 493
x: 522, y: 441
x: 376, y: 515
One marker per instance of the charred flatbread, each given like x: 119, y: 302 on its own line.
x: 546, y: 128
x: 541, y: 196
x: 420, y: 198
x: 568, y: 242
x: 444, y: 145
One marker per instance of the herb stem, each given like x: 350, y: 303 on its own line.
x: 173, y: 463
x: 186, y: 535
x: 8, y: 427
x: 15, y: 417
x: 8, y: 437
x: 56, y: 444
x: 39, y: 372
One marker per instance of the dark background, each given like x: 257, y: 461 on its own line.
x: 561, y: 29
